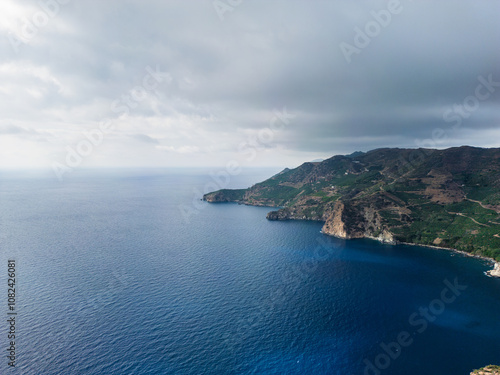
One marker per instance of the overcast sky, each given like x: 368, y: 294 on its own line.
x: 265, y: 83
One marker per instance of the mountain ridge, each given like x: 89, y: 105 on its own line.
x: 447, y: 198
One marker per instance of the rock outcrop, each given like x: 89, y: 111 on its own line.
x: 488, y: 370
x: 349, y: 222
x: 495, y: 272
x: 283, y: 214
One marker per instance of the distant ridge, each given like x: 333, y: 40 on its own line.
x: 355, y: 154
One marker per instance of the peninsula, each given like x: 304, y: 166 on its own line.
x: 445, y: 198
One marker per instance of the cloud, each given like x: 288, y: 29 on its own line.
x: 144, y: 138
x: 180, y: 150
x: 228, y: 76
x: 12, y: 129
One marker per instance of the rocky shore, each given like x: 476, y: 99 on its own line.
x: 495, y: 272
x: 488, y: 370
x: 367, y: 226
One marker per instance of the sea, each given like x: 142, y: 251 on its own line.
x: 128, y: 272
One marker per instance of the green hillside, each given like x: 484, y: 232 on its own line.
x: 448, y: 198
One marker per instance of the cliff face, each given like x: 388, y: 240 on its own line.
x: 449, y: 198
x: 335, y: 225
x: 346, y: 222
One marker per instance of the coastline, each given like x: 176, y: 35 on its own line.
x: 491, y: 260
x: 495, y: 272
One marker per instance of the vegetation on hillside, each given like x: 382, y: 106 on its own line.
x: 448, y: 198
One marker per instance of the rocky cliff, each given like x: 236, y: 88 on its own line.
x: 447, y: 198
x: 495, y: 272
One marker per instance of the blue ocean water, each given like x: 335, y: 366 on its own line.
x: 129, y: 273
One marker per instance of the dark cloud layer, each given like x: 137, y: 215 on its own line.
x: 415, y: 82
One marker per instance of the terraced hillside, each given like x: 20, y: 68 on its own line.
x: 447, y: 198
